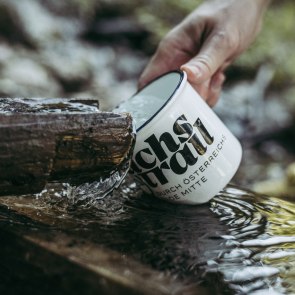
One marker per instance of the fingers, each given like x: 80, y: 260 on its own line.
x: 175, y: 49
x: 214, y: 54
x: 168, y: 56
x: 205, y: 70
x: 215, y: 88
x: 210, y: 90
x: 155, y: 68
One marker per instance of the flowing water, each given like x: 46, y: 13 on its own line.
x: 141, y: 106
x: 239, y: 243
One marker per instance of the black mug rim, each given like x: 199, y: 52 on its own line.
x: 181, y: 74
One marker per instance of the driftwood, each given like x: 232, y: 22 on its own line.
x: 38, y: 146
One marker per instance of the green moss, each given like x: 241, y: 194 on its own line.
x: 275, y: 44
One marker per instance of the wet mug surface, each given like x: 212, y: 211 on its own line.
x: 183, y: 152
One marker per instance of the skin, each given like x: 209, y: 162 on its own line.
x: 206, y: 42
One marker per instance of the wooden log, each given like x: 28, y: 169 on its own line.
x: 75, y: 147
x: 44, y: 252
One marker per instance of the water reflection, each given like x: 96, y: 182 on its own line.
x: 240, y: 243
x: 259, y: 251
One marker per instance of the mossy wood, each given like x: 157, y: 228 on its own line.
x: 74, y: 147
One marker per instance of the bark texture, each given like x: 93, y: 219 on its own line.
x: 75, y: 147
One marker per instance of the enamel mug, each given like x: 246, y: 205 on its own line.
x: 183, y: 152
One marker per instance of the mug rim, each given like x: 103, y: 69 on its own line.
x: 182, y: 78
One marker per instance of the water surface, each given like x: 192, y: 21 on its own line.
x: 239, y: 243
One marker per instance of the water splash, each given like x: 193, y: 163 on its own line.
x: 84, y: 196
x: 48, y: 105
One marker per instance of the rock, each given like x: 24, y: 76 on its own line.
x: 36, y: 24
x: 79, y: 8
x: 249, y: 111
x: 123, y: 30
x: 128, y: 64
x: 283, y: 187
x: 290, y: 175
x: 12, y: 28
x: 69, y: 65
x: 22, y: 76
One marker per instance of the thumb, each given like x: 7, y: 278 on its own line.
x: 212, y: 56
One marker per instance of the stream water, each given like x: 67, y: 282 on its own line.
x: 239, y: 243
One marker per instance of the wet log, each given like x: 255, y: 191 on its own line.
x: 39, y: 146
x: 44, y: 252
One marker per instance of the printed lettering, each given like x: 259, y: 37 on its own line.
x: 182, y: 127
x: 156, y: 146
x: 176, y: 152
x: 143, y: 161
x: 208, y: 138
x: 186, y: 155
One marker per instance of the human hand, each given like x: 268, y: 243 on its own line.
x: 206, y: 42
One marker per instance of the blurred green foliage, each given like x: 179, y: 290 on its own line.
x: 275, y: 44
x: 160, y: 16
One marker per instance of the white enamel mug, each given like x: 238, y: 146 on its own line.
x: 183, y: 152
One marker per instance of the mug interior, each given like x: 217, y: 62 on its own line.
x: 159, y: 92
x: 163, y: 87
x: 151, y: 99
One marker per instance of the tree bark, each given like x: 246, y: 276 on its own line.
x: 70, y: 147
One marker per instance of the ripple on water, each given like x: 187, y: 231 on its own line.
x: 261, y: 260
x: 241, y: 242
